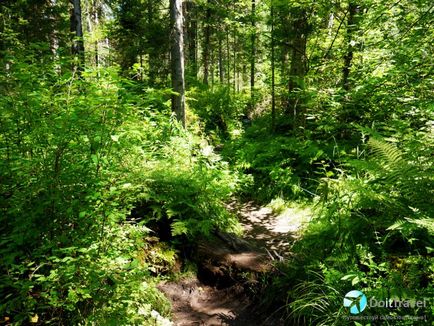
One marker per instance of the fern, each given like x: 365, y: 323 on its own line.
x: 405, y: 182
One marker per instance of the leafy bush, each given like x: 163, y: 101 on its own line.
x: 77, y: 155
x: 280, y: 166
x: 219, y: 109
x: 373, y: 233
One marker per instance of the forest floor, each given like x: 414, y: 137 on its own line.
x: 196, y: 303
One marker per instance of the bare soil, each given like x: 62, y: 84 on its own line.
x: 196, y: 303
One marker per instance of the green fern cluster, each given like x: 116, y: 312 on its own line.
x: 409, y: 184
x: 374, y: 232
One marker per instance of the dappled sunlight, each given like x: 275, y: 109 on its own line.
x: 272, y: 232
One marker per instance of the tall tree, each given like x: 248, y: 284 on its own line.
x: 177, y: 60
x: 353, y: 11
x: 253, y: 55
x: 191, y: 37
x: 298, y: 68
x: 220, y: 59
x: 207, y: 43
x: 273, y: 81
x: 77, y: 29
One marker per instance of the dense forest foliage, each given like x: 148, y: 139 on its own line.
x: 127, y: 126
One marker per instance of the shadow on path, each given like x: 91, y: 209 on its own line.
x: 194, y: 303
x: 271, y: 232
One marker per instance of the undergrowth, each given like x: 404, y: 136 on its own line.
x: 373, y: 233
x: 70, y: 251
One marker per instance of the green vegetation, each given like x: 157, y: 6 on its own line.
x: 115, y: 160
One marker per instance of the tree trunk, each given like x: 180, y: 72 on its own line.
x: 177, y: 56
x: 93, y: 22
x: 211, y: 66
x: 191, y: 26
x: 273, y: 92
x: 298, y: 68
x: 54, y: 38
x: 77, y: 29
x: 96, y: 23
x: 153, y: 56
x: 252, y: 58
x: 206, y: 45
x: 220, y: 59
x: 353, y: 10
x: 232, y: 62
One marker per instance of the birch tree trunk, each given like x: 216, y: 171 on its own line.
x: 177, y: 57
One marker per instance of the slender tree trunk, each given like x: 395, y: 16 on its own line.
x: 253, y: 56
x: 191, y: 26
x: 77, y: 29
x: 206, y: 45
x: 220, y: 59
x: 95, y: 17
x: 228, y: 60
x: 236, y: 72
x: 177, y: 57
x: 298, y: 68
x: 54, y: 38
x: 211, y: 66
x: 93, y: 22
x: 353, y: 10
x: 153, y: 57
x: 273, y: 93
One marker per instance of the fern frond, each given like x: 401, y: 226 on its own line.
x: 386, y: 152
x: 400, y: 178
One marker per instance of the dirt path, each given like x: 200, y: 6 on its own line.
x: 272, y: 232
x: 194, y: 303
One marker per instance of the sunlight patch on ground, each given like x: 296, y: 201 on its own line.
x: 292, y: 220
x: 273, y: 227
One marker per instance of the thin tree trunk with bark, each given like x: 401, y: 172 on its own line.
x: 253, y: 56
x: 228, y: 60
x: 77, y: 29
x: 54, y: 38
x: 96, y: 22
x: 236, y: 71
x: 298, y: 68
x: 206, y: 45
x: 220, y: 60
x: 211, y: 66
x: 191, y: 27
x: 177, y: 57
x: 273, y: 87
x: 353, y: 10
x: 153, y: 57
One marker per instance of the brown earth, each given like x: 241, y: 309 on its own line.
x: 228, y: 265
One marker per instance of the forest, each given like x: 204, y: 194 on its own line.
x: 217, y: 162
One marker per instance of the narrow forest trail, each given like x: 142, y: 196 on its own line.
x: 196, y: 303
x: 270, y: 231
